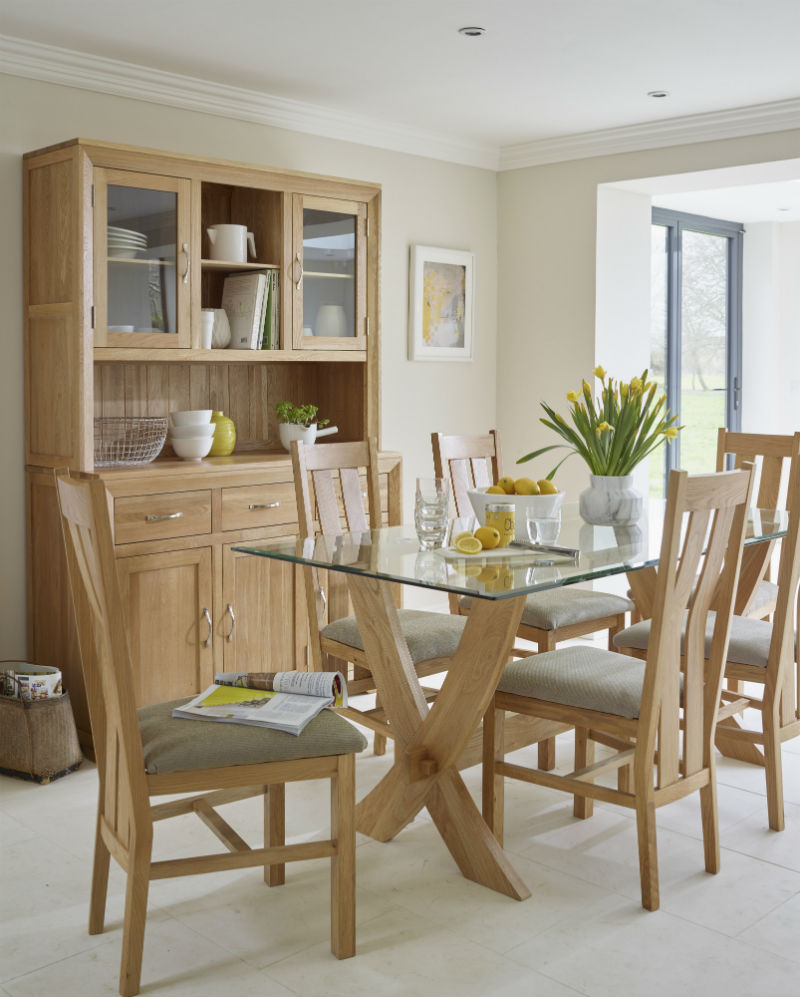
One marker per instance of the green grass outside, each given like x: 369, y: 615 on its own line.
x: 702, y: 413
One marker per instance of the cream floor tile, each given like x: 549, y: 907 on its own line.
x: 752, y: 836
x: 405, y: 955
x: 624, y: 952
x: 778, y: 932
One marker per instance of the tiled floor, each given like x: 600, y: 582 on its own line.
x: 422, y: 928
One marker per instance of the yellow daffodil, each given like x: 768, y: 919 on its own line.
x: 671, y: 432
x: 599, y: 372
x: 572, y: 396
x: 636, y: 385
x: 623, y: 391
x: 604, y: 427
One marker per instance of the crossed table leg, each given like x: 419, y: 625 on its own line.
x: 430, y: 740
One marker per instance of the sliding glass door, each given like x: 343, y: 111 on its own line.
x: 696, y: 334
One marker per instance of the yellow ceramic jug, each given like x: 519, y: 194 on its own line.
x: 224, y: 435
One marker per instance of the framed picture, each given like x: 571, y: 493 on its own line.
x: 440, y: 307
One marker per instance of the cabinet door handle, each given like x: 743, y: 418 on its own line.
x: 263, y: 505
x: 207, y: 618
x: 167, y: 515
x: 229, y: 636
x: 300, y: 278
x: 188, y: 270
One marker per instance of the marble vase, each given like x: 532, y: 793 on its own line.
x: 611, y: 500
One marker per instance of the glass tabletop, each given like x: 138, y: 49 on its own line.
x: 393, y: 553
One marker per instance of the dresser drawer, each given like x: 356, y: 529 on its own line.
x: 258, y: 505
x: 156, y: 517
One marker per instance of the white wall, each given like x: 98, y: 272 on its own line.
x: 546, y: 280
x: 761, y: 346
x: 789, y: 324
x: 424, y: 201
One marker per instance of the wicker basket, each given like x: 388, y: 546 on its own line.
x: 38, y: 739
x: 128, y: 439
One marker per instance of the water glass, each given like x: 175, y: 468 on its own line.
x: 431, y: 509
x: 543, y: 529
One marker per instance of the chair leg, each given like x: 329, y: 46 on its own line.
x: 136, y: 890
x: 97, y: 903
x: 648, y: 855
x: 710, y: 821
x: 618, y: 627
x: 343, y: 863
x: 493, y: 788
x: 379, y: 740
x: 583, y: 806
x: 275, y: 831
x: 773, y: 768
x: 546, y: 749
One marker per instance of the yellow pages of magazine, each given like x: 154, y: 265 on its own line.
x: 289, y: 706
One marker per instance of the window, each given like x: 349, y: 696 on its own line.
x: 695, y: 334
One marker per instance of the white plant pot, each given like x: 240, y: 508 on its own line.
x: 289, y: 431
x: 610, y: 500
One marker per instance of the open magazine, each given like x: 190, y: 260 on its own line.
x: 285, y: 701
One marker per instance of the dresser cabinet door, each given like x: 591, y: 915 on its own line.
x: 169, y: 603
x: 260, y: 623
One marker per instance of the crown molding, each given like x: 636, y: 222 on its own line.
x: 735, y: 123
x: 67, y: 67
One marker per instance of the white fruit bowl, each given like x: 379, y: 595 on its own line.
x: 192, y: 447
x: 200, y: 431
x: 543, y: 505
x: 190, y: 417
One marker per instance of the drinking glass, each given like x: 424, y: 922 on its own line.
x: 431, y: 509
x: 543, y: 529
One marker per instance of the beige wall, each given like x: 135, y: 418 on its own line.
x: 546, y: 277
x: 424, y: 201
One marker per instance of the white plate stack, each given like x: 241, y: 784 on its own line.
x: 191, y: 433
x: 125, y: 243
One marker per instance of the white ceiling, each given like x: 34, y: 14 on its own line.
x: 544, y: 70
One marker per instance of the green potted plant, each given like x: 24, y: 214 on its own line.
x: 300, y: 422
x: 612, y: 433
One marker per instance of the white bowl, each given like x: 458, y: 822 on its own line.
x: 190, y: 417
x: 544, y: 505
x: 198, y: 431
x: 193, y: 448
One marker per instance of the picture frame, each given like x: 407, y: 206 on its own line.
x: 440, y: 304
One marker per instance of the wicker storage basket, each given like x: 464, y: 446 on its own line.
x: 38, y: 739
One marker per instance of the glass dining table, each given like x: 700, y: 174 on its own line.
x: 430, y: 738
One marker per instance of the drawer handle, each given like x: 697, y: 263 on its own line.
x: 229, y: 636
x: 188, y: 270
x: 168, y: 515
x: 207, y: 618
x: 263, y: 505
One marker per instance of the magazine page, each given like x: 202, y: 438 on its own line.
x: 260, y: 707
x: 327, y: 684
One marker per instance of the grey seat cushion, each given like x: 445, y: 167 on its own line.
x: 587, y: 677
x: 428, y: 635
x: 184, y: 745
x: 561, y: 607
x: 748, y: 645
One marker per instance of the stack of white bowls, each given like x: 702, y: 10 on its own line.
x: 191, y: 433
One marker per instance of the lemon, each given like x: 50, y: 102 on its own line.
x: 487, y: 536
x: 507, y: 484
x: 525, y: 486
x: 466, y: 533
x: 547, y: 487
x: 488, y: 574
x: 468, y: 544
x: 495, y: 490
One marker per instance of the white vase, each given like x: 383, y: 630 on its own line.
x: 611, y: 500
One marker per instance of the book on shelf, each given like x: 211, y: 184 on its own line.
x: 270, y: 336
x: 244, y: 298
x: 285, y: 701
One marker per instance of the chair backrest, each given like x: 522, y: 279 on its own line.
x: 327, y: 478
x: 102, y: 637
x: 773, y: 455
x: 469, y: 462
x: 784, y: 651
x: 704, y: 513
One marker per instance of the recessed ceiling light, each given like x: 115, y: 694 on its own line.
x: 658, y: 93
x: 472, y: 32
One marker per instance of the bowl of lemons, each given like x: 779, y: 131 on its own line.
x: 543, y: 497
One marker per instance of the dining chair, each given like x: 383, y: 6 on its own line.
x: 328, y: 479
x: 761, y: 652
x: 146, y: 753
x: 550, y: 617
x: 658, y: 716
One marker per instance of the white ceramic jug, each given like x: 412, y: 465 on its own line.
x: 289, y: 431
x: 230, y: 242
